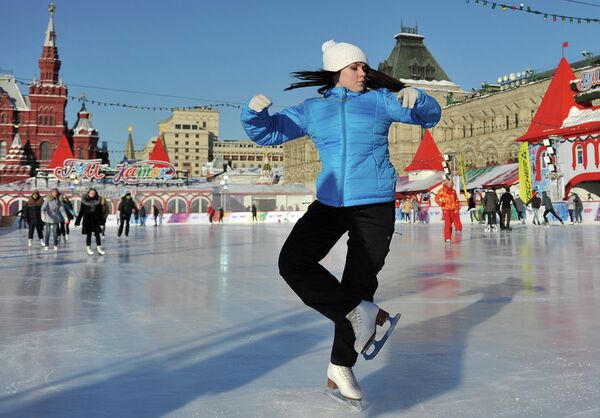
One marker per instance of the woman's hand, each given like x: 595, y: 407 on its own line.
x: 259, y: 103
x: 408, y: 96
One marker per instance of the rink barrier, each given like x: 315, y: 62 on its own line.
x: 591, y: 214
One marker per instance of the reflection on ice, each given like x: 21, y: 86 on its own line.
x: 194, y: 321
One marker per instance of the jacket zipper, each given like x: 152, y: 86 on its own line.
x: 343, y: 148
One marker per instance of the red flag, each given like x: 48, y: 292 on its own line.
x: 565, y: 44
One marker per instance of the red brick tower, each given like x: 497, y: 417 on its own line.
x: 48, y: 99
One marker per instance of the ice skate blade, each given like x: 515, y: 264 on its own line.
x: 377, y: 344
x: 353, y: 404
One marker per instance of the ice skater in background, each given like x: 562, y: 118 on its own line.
x: 450, y: 204
x: 349, y: 125
x: 63, y: 229
x: 34, y: 217
x: 53, y: 213
x: 126, y: 208
x: 549, y: 209
x: 105, y: 213
x: 93, y: 219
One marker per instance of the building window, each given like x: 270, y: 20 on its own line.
x: 3, y: 118
x: 464, y: 131
x: 177, y: 126
x: 195, y: 127
x: 579, y: 154
x: 542, y: 162
x: 197, y: 143
x: 516, y: 120
x: 45, y: 151
x: 2, y: 149
x: 176, y: 142
x: 507, y: 122
x: 51, y: 120
x: 186, y: 126
x: 197, y: 136
x: 187, y: 149
x: 176, y: 205
x: 484, y: 127
x: 204, y: 124
x: 176, y: 135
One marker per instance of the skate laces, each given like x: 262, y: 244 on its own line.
x: 347, y: 375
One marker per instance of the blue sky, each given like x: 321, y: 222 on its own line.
x: 229, y: 50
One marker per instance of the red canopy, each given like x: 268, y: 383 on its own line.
x: 555, y: 106
x: 427, y: 157
x: 159, y: 153
x: 62, y: 153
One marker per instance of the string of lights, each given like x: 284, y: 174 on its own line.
x: 216, y: 104
x: 528, y: 9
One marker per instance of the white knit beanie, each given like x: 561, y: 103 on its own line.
x: 337, y: 56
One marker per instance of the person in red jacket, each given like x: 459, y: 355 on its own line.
x: 450, y: 204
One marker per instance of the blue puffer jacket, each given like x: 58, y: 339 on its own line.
x: 350, y: 131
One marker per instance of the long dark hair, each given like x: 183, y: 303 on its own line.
x: 325, y: 80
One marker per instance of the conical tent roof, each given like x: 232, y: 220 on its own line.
x: 427, y: 157
x: 159, y: 153
x: 555, y: 105
x: 62, y: 152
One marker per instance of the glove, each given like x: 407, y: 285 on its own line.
x: 408, y: 96
x: 259, y: 103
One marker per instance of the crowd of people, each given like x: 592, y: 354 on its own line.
x: 486, y: 207
x: 50, y: 218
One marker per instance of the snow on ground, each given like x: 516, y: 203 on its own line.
x: 194, y: 321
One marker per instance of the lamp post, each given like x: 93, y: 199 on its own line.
x: 223, y: 184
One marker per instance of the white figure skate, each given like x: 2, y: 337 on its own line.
x: 343, y: 387
x: 100, y: 250
x: 364, y: 319
x: 89, y: 250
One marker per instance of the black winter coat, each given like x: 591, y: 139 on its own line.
x: 91, y: 215
x: 490, y: 202
x: 33, y: 214
x: 506, y: 199
x: 126, y: 208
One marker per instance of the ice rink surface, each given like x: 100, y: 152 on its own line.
x: 194, y: 321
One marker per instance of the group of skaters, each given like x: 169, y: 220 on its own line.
x: 493, y: 205
x: 490, y: 209
x: 51, y: 217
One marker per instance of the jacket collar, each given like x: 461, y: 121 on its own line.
x: 342, y: 93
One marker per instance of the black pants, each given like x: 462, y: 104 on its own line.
x: 88, y: 238
x: 506, y: 217
x: 491, y: 218
x: 63, y: 229
x: 37, y: 227
x: 124, y: 222
x: 370, y: 229
x: 547, y: 211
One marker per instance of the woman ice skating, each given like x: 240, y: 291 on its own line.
x: 450, y: 204
x: 53, y: 213
x: 490, y: 207
x: 34, y: 217
x: 93, y: 219
x: 105, y: 213
x: 63, y: 229
x: 349, y: 125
